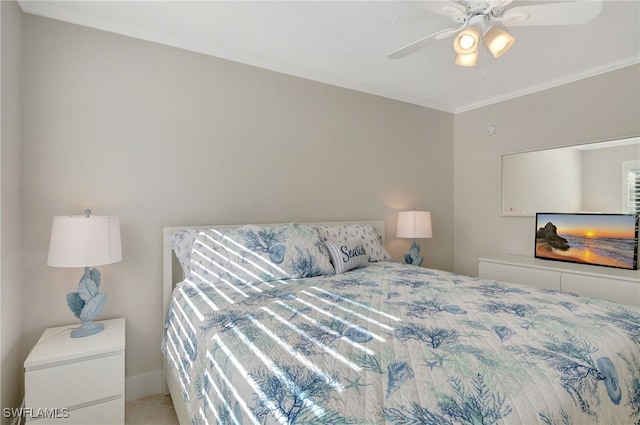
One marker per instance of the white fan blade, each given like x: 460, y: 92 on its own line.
x: 419, y: 44
x: 497, y: 6
x: 567, y: 13
x: 446, y: 8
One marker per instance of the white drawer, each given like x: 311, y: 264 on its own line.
x: 547, y: 279
x: 83, y: 381
x: 107, y: 413
x: 620, y: 291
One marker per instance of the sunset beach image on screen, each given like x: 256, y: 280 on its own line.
x: 600, y: 239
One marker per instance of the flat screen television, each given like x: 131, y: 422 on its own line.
x: 609, y: 240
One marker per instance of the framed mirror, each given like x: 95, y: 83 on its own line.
x: 592, y: 177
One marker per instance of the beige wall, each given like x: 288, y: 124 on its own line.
x: 160, y: 136
x: 597, y: 108
x: 11, y: 289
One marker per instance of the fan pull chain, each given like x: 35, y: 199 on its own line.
x: 484, y: 66
x: 483, y: 41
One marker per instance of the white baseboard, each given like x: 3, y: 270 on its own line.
x: 143, y: 385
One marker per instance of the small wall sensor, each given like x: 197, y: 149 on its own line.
x: 491, y: 130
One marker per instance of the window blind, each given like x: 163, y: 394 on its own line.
x: 633, y: 186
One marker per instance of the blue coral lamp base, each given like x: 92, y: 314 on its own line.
x: 414, y: 257
x: 86, y: 329
x: 87, y: 303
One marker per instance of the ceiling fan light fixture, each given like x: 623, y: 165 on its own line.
x: 467, y: 40
x: 498, y: 41
x: 467, y: 60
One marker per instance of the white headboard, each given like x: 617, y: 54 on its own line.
x: 169, y: 261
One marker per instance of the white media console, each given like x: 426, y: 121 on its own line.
x: 618, y: 285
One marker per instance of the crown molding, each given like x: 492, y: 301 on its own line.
x: 550, y: 84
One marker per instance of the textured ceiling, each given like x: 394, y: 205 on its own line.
x: 345, y: 43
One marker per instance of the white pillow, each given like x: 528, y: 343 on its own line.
x: 364, y: 233
x: 348, y: 255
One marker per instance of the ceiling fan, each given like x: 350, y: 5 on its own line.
x: 483, y: 20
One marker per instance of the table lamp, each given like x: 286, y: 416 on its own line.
x: 414, y: 225
x: 85, y: 241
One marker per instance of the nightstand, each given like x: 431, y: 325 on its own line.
x: 76, y: 380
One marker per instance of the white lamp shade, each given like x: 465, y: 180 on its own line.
x: 80, y: 241
x: 414, y: 224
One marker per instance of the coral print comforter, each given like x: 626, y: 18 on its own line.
x: 397, y: 344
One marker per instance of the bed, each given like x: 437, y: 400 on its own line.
x: 260, y: 330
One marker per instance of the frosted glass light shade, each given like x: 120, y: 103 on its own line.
x: 499, y: 41
x: 80, y: 241
x: 467, y: 40
x: 414, y: 224
x: 467, y: 60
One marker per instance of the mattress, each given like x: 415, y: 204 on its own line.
x: 399, y: 344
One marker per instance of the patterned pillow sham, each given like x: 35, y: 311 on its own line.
x: 348, y: 255
x: 182, y: 244
x: 252, y: 254
x: 364, y: 233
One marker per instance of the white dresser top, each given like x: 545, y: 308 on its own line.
x: 56, y: 346
x: 524, y: 261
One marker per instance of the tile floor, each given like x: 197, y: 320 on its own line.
x: 152, y: 410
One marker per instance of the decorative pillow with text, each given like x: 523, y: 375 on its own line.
x: 364, y: 233
x: 348, y: 255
